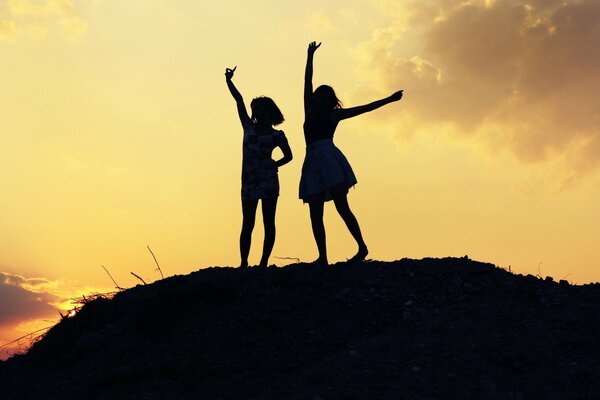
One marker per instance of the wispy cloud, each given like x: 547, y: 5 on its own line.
x: 524, y: 76
x: 30, y: 303
x: 8, y: 28
x: 22, y: 299
x: 320, y: 22
x: 35, y: 18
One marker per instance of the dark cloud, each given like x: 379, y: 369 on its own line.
x: 524, y: 74
x: 20, y: 304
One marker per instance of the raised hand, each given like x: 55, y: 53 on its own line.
x: 397, y: 96
x: 312, y: 47
x: 229, y: 73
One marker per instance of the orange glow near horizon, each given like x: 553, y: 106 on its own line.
x: 119, y: 133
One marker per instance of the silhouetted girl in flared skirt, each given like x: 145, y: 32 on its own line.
x: 326, y: 173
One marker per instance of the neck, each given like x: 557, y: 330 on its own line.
x: 262, y: 125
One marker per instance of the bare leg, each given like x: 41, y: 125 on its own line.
x: 249, y: 216
x: 316, y: 218
x: 269, y: 206
x: 340, y: 199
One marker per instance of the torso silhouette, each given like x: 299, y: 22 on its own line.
x: 259, y: 173
x: 318, y: 126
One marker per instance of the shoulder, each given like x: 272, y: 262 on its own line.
x: 248, y: 127
x: 336, y: 114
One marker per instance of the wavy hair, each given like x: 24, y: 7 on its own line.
x: 273, y: 113
x: 332, y: 100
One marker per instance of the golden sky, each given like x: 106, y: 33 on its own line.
x: 118, y: 132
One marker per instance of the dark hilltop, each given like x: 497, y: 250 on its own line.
x: 450, y: 328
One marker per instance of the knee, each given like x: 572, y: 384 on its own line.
x: 345, y: 213
x: 247, y: 225
x: 316, y: 218
x: 269, y: 226
x: 342, y: 208
x: 270, y: 232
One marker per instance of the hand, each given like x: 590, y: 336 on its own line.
x: 397, y: 96
x: 229, y: 73
x: 312, y: 47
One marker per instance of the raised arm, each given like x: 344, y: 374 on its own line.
x: 308, y: 73
x: 344, y: 113
x: 241, y: 107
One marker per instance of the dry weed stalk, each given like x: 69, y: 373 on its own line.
x: 30, y: 338
x: 157, y: 265
x: 112, y: 279
x: 139, y: 277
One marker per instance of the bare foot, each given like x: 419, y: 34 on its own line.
x: 361, y: 255
x: 319, y: 262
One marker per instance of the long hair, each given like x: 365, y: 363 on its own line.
x: 272, y: 112
x: 332, y: 102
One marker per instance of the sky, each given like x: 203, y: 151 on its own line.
x: 118, y: 133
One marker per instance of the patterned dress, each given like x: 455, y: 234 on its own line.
x: 259, y: 173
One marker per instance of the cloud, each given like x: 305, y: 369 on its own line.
x: 35, y: 17
x: 7, y: 29
x: 522, y: 75
x: 25, y: 299
x: 320, y: 22
x: 26, y: 305
x: 30, y: 304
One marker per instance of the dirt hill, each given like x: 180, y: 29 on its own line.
x: 447, y: 328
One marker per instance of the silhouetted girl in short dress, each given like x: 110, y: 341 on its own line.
x: 259, y: 171
x: 326, y: 173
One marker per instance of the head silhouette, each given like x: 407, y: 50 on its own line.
x: 265, y: 111
x: 325, y: 99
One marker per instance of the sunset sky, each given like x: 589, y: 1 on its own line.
x: 118, y: 132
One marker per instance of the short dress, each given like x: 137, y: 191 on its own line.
x: 325, y: 167
x: 259, y: 172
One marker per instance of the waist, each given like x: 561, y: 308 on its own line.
x: 320, y: 143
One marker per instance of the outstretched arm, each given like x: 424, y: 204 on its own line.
x: 344, y: 113
x: 241, y: 107
x: 308, y: 88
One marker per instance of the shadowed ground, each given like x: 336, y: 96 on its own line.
x: 412, y: 329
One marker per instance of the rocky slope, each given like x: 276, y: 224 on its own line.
x: 448, y: 328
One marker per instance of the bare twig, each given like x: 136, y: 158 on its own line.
x: 157, y: 265
x: 137, y: 276
x: 93, y: 296
x: 39, y: 334
x: 116, y: 284
x: 564, y: 278
x: 31, y: 337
